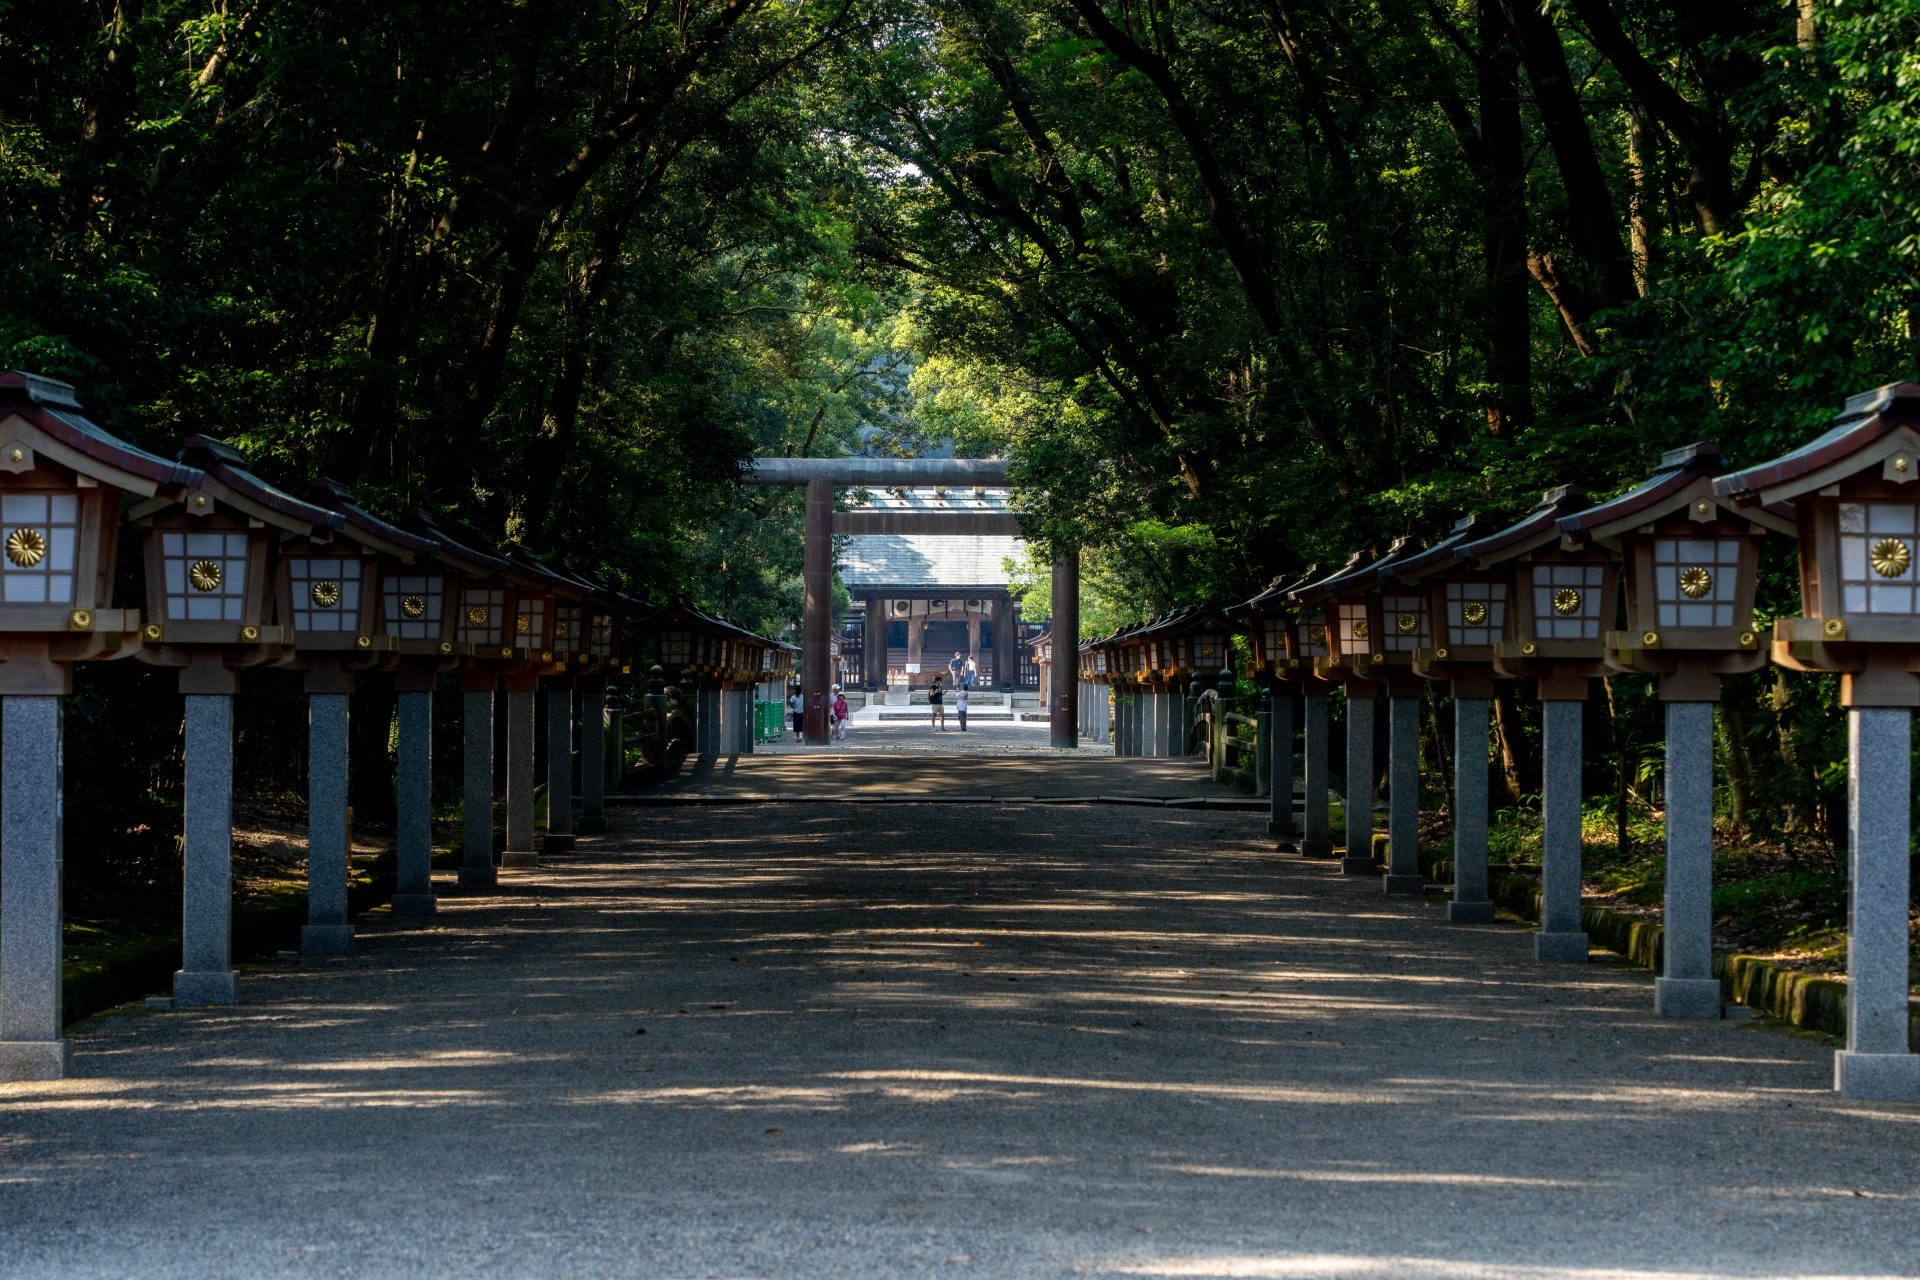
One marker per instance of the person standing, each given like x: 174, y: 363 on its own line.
x: 797, y: 708
x: 972, y: 677
x: 960, y: 706
x: 936, y: 703
x: 954, y: 668
x: 840, y: 714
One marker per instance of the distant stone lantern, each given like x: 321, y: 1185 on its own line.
x: 481, y: 604
x: 1692, y: 561
x: 1348, y: 624
x: 212, y: 559
x: 1858, y: 518
x: 1559, y: 607
x: 330, y: 585
x: 1270, y: 617
x: 1465, y: 618
x: 62, y: 480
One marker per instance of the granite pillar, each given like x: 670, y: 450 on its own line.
x: 1560, y: 939
x: 32, y: 795
x: 1876, y: 1063
x: 559, y: 837
x: 327, y: 932
x: 476, y: 804
x: 1317, y: 840
x: 1359, y: 799
x: 1403, y: 796
x: 1470, y: 904
x: 206, y: 974
x: 1687, y: 987
x: 520, y: 851
x: 1280, y: 771
x: 593, y: 756
x: 413, y: 843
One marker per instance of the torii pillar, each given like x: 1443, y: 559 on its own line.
x: 816, y: 644
x: 1063, y: 699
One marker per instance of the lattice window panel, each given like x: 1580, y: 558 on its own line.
x: 1566, y: 601
x: 1352, y: 627
x: 1476, y: 612
x: 1404, y: 619
x: 530, y: 627
x: 326, y: 593
x: 206, y: 575
x: 483, y: 617
x: 42, y: 536
x: 1877, y: 552
x: 1694, y: 581
x: 415, y: 605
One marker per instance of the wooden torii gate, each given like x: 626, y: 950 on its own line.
x: 822, y: 476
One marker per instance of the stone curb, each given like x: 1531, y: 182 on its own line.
x: 1800, y: 999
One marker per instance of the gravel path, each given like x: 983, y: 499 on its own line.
x: 943, y: 1040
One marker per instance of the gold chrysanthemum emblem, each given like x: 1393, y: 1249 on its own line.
x: 205, y: 575
x: 1474, y: 612
x: 522, y: 625
x: 1360, y: 629
x: 326, y: 594
x: 25, y: 547
x: 1408, y: 623
x: 1890, y: 557
x: 1695, y: 582
x: 477, y: 616
x: 1566, y: 600
x: 414, y: 606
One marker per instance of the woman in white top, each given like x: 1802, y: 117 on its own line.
x: 797, y: 708
x: 960, y: 706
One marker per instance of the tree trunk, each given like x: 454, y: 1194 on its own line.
x: 1504, y: 235
x: 1517, y: 762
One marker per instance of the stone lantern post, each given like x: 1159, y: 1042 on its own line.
x: 482, y: 604
x: 1348, y: 631
x: 211, y: 555
x: 1692, y: 561
x: 1270, y: 617
x: 1560, y: 603
x: 329, y: 590
x: 61, y: 483
x: 1465, y: 614
x: 1858, y: 518
x: 1306, y: 640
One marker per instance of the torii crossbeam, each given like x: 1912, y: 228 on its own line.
x: 822, y: 476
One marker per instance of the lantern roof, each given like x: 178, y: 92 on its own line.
x: 1866, y: 419
x: 1180, y: 621
x: 363, y: 527
x: 227, y: 477
x: 1341, y: 580
x: 1674, y: 485
x: 1441, y: 555
x: 679, y: 613
x: 1277, y: 596
x: 1539, y: 527
x: 49, y: 406
x: 599, y: 590
x: 459, y: 546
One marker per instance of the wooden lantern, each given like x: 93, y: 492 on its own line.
x: 394, y: 593
x: 1340, y: 638
x: 1692, y: 562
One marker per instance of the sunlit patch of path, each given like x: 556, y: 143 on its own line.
x: 941, y: 1039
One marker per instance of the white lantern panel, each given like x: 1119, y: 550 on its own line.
x: 600, y: 636
x: 1566, y: 601
x: 1354, y: 632
x: 482, y: 617
x: 206, y: 576
x: 326, y: 593
x: 1877, y: 551
x: 1476, y: 612
x: 1313, y: 639
x: 530, y: 627
x: 414, y: 606
x: 41, y: 534
x: 1694, y: 580
x: 1404, y: 617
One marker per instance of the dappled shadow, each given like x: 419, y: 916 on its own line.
x: 1087, y: 1040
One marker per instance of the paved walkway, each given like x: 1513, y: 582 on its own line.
x: 946, y: 1040
x: 820, y: 771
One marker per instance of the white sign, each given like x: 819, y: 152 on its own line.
x: 913, y: 668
